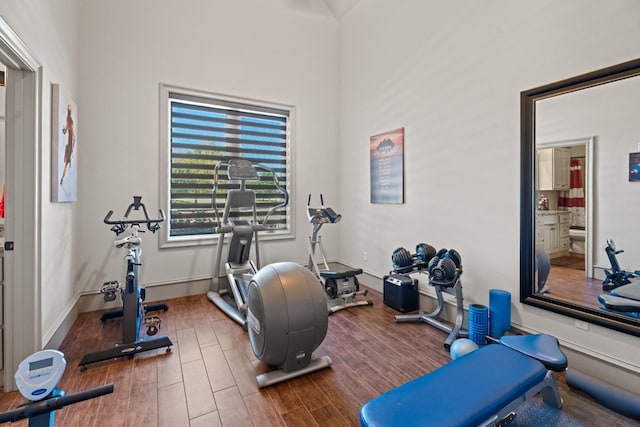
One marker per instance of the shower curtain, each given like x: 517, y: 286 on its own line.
x: 574, y: 200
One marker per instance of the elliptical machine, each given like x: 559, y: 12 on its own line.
x: 342, y: 286
x: 288, y: 320
x: 133, y: 311
x: 239, y: 268
x: 444, y: 269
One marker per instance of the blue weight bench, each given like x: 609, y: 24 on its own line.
x: 482, y: 388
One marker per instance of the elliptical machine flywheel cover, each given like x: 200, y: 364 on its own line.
x: 287, y: 315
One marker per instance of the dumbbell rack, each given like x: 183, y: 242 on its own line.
x: 444, y: 275
x: 456, y: 331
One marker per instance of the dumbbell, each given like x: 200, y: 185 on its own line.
x: 401, y: 257
x: 442, y: 267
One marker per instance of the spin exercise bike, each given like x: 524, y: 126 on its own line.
x: 37, y: 379
x: 239, y: 268
x: 444, y: 269
x: 341, y: 286
x: 133, y: 311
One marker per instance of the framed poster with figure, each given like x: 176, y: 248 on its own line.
x: 634, y: 167
x: 64, y: 146
x: 386, y: 152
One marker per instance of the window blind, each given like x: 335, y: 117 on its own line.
x: 204, y: 132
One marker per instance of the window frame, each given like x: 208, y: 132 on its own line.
x: 167, y: 241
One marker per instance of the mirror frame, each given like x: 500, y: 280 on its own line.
x: 528, y: 100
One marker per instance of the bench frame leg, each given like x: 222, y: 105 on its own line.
x: 548, y: 388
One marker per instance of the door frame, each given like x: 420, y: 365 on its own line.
x: 588, y: 142
x: 22, y: 281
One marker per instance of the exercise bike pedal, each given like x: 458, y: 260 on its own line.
x: 153, y: 324
x: 109, y: 289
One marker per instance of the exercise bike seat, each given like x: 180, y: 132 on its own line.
x: 541, y: 347
x: 341, y: 274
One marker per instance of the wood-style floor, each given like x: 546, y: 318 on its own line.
x: 567, y: 282
x: 571, y: 285
x: 209, y: 377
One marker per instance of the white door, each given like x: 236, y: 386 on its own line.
x: 21, y: 305
x: 2, y: 182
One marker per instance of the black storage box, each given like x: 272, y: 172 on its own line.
x: 400, y: 292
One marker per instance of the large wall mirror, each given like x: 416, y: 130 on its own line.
x: 579, y: 190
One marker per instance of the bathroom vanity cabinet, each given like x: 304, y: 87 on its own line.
x: 553, y: 169
x: 552, y: 232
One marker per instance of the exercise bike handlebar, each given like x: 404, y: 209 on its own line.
x: 119, y: 226
x: 33, y: 409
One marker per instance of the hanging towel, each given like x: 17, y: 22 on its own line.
x: 2, y: 203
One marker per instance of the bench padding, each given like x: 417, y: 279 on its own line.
x: 465, y: 392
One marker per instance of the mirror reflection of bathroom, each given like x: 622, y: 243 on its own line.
x: 561, y: 200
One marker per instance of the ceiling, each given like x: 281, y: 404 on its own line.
x: 340, y: 7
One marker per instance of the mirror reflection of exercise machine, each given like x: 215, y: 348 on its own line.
x: 342, y: 286
x: 133, y: 311
x: 623, y: 286
x: 37, y: 379
x: 240, y: 204
x: 616, y: 276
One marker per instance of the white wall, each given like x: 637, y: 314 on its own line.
x: 610, y: 114
x: 50, y: 30
x: 282, y: 52
x: 451, y: 74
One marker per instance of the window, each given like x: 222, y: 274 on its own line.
x: 202, y: 129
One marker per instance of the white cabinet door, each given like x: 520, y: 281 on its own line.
x: 551, y: 238
x: 561, y: 168
x: 553, y: 169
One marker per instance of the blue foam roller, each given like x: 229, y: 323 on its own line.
x: 478, y: 323
x: 499, y: 312
x: 612, y: 397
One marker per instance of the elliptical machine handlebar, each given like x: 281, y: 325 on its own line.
x: 282, y: 191
x: 244, y: 170
x: 120, y: 226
